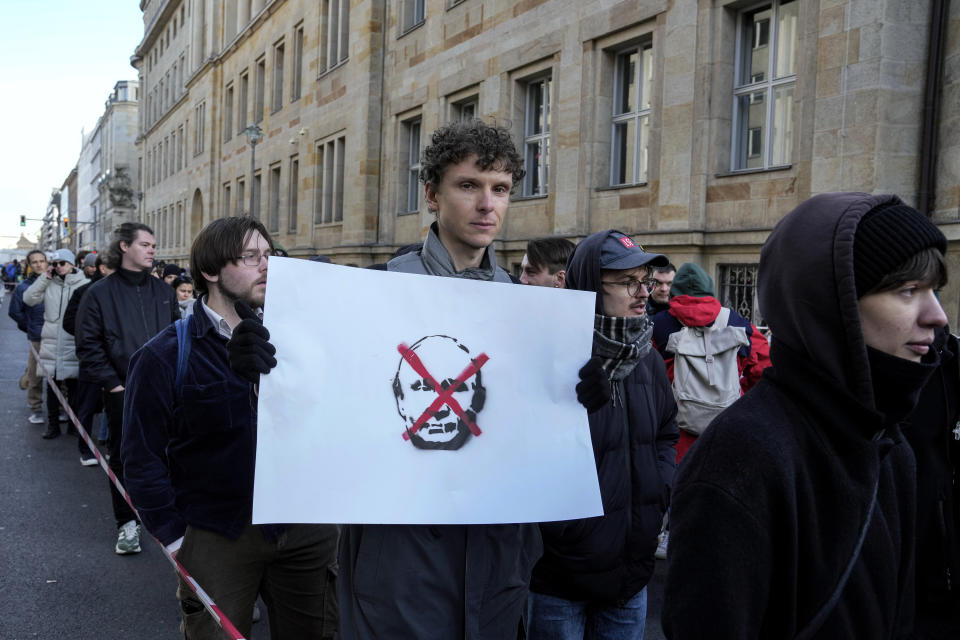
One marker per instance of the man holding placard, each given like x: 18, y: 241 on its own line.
x: 454, y: 580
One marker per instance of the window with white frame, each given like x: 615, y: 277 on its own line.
x: 630, y: 134
x: 536, y: 136
x: 292, y: 198
x: 258, y: 90
x: 256, y: 196
x: 413, y: 13
x: 328, y: 198
x: 738, y: 290
x: 334, y: 33
x: 277, y: 73
x: 242, y: 101
x: 466, y: 109
x: 226, y: 201
x: 273, y: 210
x: 410, y: 161
x: 199, y: 127
x: 297, y: 64
x: 228, y: 113
x: 764, y: 85
x: 241, y: 196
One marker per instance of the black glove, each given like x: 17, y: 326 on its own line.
x: 249, y: 349
x: 593, y: 390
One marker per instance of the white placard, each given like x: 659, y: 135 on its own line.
x: 340, y: 414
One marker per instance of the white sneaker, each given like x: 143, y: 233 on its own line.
x: 36, y: 418
x: 661, y: 553
x: 128, y: 538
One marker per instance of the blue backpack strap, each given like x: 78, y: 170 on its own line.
x: 183, y: 350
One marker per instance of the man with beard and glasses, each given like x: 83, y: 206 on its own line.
x: 189, y: 447
x: 592, y: 579
x: 117, y: 316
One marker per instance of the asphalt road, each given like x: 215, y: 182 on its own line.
x: 59, y: 575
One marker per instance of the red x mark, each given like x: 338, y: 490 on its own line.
x: 444, y: 396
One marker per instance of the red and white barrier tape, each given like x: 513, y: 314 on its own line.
x: 221, y: 619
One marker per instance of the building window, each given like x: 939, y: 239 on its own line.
x: 334, y: 30
x: 226, y: 200
x: 273, y: 213
x: 199, y: 127
x: 277, y: 78
x: 297, y: 64
x: 179, y: 147
x: 228, y: 113
x: 410, y: 145
x: 243, y: 101
x: 256, y: 196
x: 536, y: 136
x: 465, y: 110
x: 412, y: 15
x: 633, y: 76
x: 241, y: 196
x: 764, y: 86
x: 292, y: 198
x: 738, y: 290
x: 328, y: 206
x: 258, y: 91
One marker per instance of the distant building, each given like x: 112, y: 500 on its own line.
x: 693, y: 126
x: 107, y: 172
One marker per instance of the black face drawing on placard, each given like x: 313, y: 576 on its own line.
x: 439, y: 367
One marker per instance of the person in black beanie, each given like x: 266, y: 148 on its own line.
x: 794, y: 516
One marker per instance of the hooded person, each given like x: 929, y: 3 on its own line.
x: 594, y: 572
x: 692, y: 304
x: 793, y: 517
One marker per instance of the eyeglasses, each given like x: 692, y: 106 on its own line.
x: 633, y: 285
x: 59, y: 263
x: 252, y: 259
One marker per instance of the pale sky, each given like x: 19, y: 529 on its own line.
x: 59, y: 60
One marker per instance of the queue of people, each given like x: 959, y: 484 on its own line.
x: 809, y: 480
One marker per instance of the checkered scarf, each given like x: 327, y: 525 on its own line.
x: 621, y: 342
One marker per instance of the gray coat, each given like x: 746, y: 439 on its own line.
x: 57, y: 349
x: 422, y: 581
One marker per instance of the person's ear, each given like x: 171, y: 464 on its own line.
x: 430, y: 195
x: 560, y: 279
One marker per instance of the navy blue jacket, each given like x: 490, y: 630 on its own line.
x: 188, y: 458
x: 28, y: 319
x: 609, y: 559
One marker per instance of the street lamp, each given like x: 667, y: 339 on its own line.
x: 254, y: 134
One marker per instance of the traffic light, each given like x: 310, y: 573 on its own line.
x: 66, y: 222
x: 23, y: 221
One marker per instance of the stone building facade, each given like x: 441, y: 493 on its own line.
x: 692, y: 124
x: 107, y: 171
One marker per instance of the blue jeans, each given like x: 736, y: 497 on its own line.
x: 552, y: 618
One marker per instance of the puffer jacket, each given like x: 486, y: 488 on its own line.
x: 609, y: 559
x: 57, y: 348
x: 794, y: 514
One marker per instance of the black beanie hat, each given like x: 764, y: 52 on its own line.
x: 886, y: 237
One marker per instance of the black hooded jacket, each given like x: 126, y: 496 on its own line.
x: 770, y: 504
x: 933, y: 430
x: 607, y: 560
